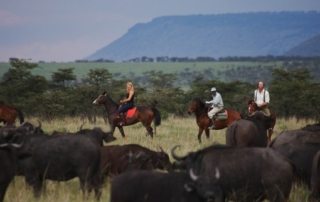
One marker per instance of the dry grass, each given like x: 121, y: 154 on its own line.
x: 173, y: 131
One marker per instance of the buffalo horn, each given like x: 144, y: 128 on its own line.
x: 174, y: 155
x: 193, y: 176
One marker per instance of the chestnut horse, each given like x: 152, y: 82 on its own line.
x: 142, y: 114
x: 200, y: 109
x: 8, y: 114
x: 252, y: 107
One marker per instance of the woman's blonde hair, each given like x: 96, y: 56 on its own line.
x: 129, y: 83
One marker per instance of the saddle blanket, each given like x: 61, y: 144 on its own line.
x: 131, y: 112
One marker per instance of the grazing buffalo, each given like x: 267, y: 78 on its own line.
x: 250, y: 132
x: 117, y: 159
x: 148, y: 186
x: 300, y: 147
x: 239, y: 174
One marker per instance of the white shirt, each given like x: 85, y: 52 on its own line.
x: 261, y: 97
x: 216, y: 100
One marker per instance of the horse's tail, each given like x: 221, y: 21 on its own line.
x: 20, y: 115
x: 157, y: 116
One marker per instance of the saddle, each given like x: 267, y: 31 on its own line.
x: 222, y: 115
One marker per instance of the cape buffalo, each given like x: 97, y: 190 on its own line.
x: 300, y: 147
x: 241, y: 174
x: 117, y: 159
x: 60, y: 158
x: 249, y: 132
x: 96, y: 134
x: 147, y: 186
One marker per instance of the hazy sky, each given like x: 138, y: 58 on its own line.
x: 65, y: 30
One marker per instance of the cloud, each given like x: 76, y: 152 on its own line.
x: 10, y: 19
x: 59, y: 51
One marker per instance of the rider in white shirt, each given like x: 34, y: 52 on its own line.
x: 216, y: 104
x: 262, y: 98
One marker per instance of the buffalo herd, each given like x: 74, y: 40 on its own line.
x: 247, y: 168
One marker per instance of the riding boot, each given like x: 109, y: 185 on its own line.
x: 212, y: 126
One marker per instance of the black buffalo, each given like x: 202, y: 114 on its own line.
x: 300, y: 147
x: 249, y: 132
x: 148, y: 186
x: 240, y: 174
x: 96, y: 134
x: 61, y: 158
x: 117, y: 159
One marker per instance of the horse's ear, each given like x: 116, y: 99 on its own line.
x: 104, y: 93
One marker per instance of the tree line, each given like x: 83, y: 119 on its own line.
x: 294, y: 92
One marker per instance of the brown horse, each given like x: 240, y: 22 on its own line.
x: 253, y: 107
x: 142, y: 114
x: 8, y: 114
x: 200, y: 109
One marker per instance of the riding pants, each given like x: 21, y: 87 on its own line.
x: 214, y: 111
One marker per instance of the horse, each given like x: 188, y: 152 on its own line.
x: 143, y: 114
x: 253, y: 107
x: 8, y: 114
x: 200, y: 109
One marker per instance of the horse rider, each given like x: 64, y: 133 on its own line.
x: 262, y: 98
x: 126, y: 103
x: 216, y: 104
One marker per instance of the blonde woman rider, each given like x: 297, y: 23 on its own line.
x: 127, y: 102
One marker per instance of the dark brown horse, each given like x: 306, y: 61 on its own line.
x: 252, y: 107
x: 200, y: 109
x: 142, y: 114
x: 8, y: 114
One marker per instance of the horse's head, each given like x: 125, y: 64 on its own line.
x: 195, y: 105
x: 252, y: 106
x: 101, y: 99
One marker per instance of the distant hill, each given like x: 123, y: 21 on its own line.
x: 310, y: 47
x: 245, y: 34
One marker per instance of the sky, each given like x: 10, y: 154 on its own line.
x: 66, y: 30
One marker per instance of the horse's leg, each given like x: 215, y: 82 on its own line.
x: 199, y: 134
x: 121, y: 131
x: 207, y: 131
x: 149, y: 129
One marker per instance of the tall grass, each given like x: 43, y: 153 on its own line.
x: 173, y: 131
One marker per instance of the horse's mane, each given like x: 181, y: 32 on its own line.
x: 201, y: 103
x: 313, y: 127
x: 110, y: 99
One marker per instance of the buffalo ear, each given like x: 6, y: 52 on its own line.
x: 189, y: 187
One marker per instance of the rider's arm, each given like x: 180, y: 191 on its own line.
x: 131, y: 92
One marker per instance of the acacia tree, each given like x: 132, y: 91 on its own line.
x: 63, y: 77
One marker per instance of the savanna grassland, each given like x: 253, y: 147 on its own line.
x: 173, y: 131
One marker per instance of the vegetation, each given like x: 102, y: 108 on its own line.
x: 293, y: 85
